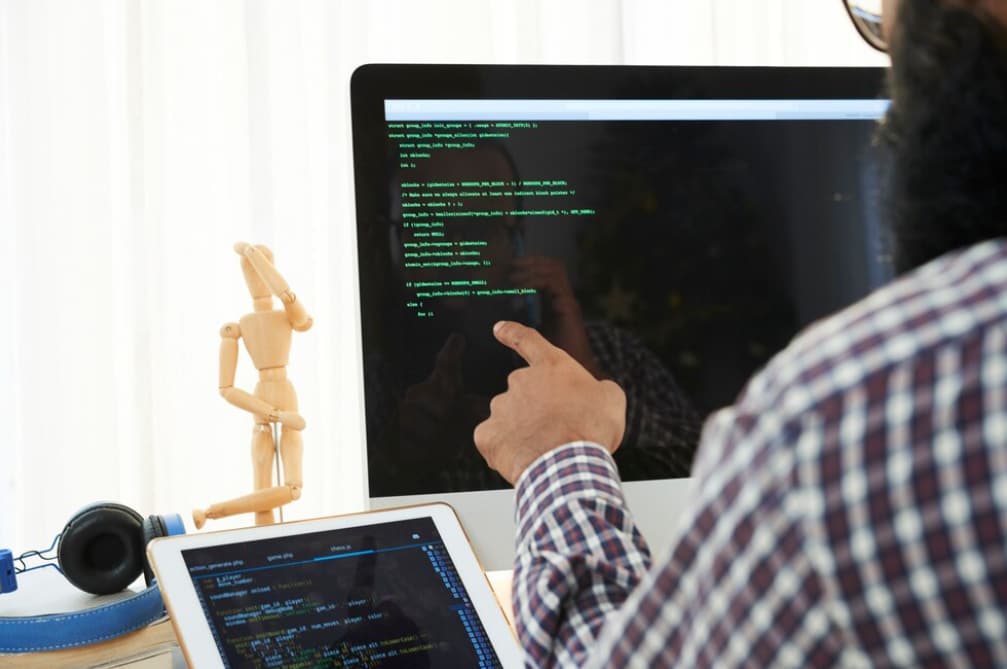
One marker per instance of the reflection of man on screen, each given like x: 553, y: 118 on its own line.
x: 452, y: 365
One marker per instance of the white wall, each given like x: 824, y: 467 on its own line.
x: 140, y: 139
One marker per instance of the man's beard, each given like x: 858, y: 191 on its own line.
x: 946, y: 131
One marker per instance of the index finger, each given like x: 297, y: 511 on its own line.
x: 525, y: 341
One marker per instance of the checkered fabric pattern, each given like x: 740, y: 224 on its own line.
x: 850, y: 510
x: 662, y: 427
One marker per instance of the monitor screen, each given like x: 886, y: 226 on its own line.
x: 670, y: 228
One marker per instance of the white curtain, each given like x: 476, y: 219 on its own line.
x: 140, y: 139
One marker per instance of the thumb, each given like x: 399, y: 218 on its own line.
x: 525, y: 341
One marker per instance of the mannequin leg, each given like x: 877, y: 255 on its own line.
x: 262, y: 466
x: 291, y: 452
x: 266, y: 496
x: 259, y: 501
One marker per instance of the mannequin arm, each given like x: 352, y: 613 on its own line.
x: 296, y: 313
x: 229, y: 335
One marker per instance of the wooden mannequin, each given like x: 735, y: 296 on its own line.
x: 266, y: 333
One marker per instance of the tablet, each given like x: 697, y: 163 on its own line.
x: 392, y: 588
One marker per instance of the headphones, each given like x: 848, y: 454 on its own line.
x: 101, y: 549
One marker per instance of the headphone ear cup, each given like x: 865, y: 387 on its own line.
x: 169, y: 525
x: 101, y: 548
x: 153, y: 527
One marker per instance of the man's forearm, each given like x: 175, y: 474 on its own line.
x: 579, y: 555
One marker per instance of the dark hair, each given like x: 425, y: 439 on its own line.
x: 947, y: 131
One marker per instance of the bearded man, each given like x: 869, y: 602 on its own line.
x: 850, y: 510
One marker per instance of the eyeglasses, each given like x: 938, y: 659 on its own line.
x: 866, y: 16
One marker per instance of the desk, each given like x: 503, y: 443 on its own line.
x: 154, y: 647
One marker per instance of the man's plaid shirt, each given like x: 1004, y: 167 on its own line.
x: 850, y: 510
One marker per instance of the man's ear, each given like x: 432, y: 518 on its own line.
x: 888, y: 9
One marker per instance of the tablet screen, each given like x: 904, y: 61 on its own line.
x: 383, y: 595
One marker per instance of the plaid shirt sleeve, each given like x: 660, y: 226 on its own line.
x: 849, y: 511
x: 737, y: 588
x: 578, y: 553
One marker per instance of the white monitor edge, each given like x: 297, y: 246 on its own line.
x: 488, y: 516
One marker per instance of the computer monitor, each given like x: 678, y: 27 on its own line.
x: 672, y: 228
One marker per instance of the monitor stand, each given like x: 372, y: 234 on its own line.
x: 488, y: 516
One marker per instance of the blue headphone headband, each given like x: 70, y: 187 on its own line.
x: 8, y: 582
x: 25, y: 634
